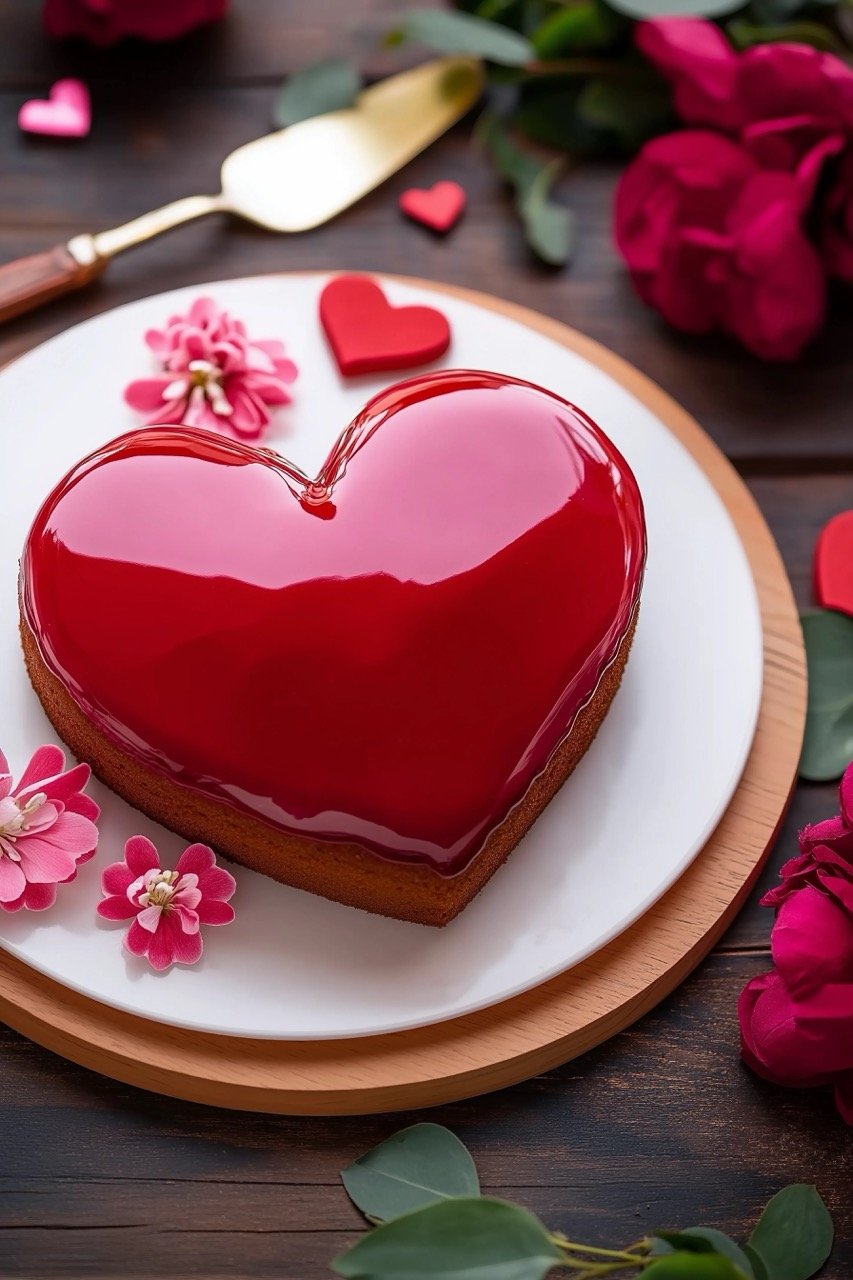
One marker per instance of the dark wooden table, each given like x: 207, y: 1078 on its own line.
x: 662, y: 1125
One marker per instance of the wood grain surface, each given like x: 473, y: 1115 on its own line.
x: 661, y: 1124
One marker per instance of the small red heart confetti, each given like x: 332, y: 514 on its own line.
x: 439, y: 207
x: 67, y: 113
x: 368, y: 335
x: 833, y: 564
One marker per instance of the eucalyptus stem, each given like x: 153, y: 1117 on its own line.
x: 614, y: 1255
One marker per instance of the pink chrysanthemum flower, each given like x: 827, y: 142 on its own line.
x: 167, y: 907
x: 213, y: 376
x: 47, y: 829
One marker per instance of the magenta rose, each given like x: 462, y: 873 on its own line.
x: 782, y: 101
x: 825, y: 859
x: 797, y: 1022
x: 713, y: 241
x: 105, y: 21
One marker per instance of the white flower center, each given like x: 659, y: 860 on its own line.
x: 14, y: 820
x: 159, y: 888
x: 204, y: 379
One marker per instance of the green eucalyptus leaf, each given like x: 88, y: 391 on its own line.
x: 634, y: 106
x: 692, y: 1266
x: 641, y: 9
x: 465, y: 33
x: 758, y: 1268
x: 325, y: 86
x: 743, y: 34
x: 492, y: 10
x: 773, y: 11
x: 474, y: 1239
x: 682, y: 1240
x: 547, y: 226
x: 584, y: 27
x: 548, y: 114
x: 415, y: 1167
x: 718, y: 1242
x: 794, y: 1234
x: 828, y: 745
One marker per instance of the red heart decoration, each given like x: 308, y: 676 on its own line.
x: 439, y: 207
x: 386, y: 654
x: 368, y: 335
x: 833, y: 564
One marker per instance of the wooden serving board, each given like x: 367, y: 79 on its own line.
x: 537, y: 1030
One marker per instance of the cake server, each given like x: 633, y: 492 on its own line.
x: 291, y: 180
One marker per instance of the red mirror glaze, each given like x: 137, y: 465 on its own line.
x: 388, y: 654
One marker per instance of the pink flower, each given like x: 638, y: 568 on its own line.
x: 713, y: 241
x: 797, y: 1022
x: 47, y: 829
x: 105, y: 21
x: 167, y: 907
x: 782, y: 101
x: 836, y: 222
x: 214, y: 375
x: 826, y: 856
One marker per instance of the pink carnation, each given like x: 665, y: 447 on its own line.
x: 213, y: 374
x: 105, y: 21
x: 797, y: 1021
x: 47, y: 829
x: 167, y: 907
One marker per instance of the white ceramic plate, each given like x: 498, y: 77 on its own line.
x: 632, y: 817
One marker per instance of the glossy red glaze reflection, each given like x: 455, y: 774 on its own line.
x: 388, y: 654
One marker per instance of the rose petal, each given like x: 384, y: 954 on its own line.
x: 117, y: 878
x: 170, y: 944
x: 149, y: 918
x: 812, y: 943
x: 186, y: 917
x: 211, y: 911
x: 217, y: 883
x: 45, y: 762
x: 43, y: 862
x: 140, y: 855
x: 701, y: 65
x: 12, y: 880
x: 70, y: 832
x: 137, y: 940
x: 770, y: 1043
x: 146, y: 394
x: 117, y: 908
x: 195, y: 859
x: 832, y: 831
x: 84, y: 805
x: 39, y: 897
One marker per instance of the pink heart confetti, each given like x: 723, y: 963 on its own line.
x: 67, y: 113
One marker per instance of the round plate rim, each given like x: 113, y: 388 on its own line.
x: 538, y: 1028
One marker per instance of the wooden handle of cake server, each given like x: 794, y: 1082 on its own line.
x: 28, y: 282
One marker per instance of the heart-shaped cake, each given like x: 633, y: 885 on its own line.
x: 367, y: 684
